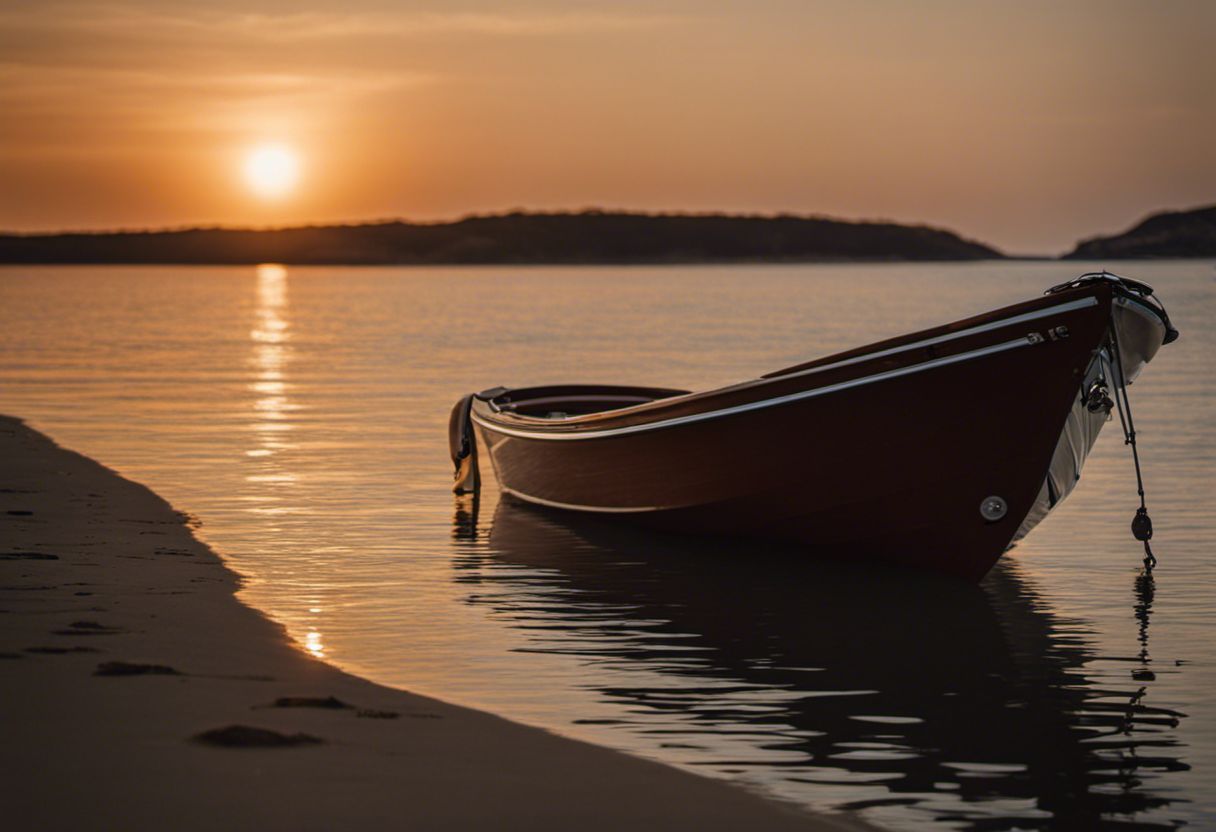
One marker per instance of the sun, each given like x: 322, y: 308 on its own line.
x: 271, y: 170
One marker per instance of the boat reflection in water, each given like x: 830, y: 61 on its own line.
x: 912, y: 698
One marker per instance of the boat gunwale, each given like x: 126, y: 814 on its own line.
x: 488, y: 414
x: 776, y: 401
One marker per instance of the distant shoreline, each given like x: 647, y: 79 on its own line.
x: 585, y: 238
x: 613, y: 238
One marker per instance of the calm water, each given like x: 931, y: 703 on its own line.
x: 301, y: 414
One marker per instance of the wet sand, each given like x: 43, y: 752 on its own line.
x: 137, y: 692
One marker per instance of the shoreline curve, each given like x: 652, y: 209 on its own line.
x: 138, y: 692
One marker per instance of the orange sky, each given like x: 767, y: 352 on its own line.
x: 1024, y: 124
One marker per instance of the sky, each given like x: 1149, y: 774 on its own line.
x: 1024, y: 124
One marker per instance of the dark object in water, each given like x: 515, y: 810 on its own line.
x: 245, y: 736
x: 133, y: 669
x: 938, y: 449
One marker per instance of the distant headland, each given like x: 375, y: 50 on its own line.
x: 515, y: 238
x: 1167, y: 234
x: 585, y: 237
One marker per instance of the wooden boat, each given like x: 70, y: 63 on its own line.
x: 936, y: 449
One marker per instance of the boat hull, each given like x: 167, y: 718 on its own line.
x: 888, y: 453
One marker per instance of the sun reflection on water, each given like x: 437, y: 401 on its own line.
x: 271, y: 353
x: 270, y: 478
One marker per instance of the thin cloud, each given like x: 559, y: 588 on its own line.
x: 209, y: 24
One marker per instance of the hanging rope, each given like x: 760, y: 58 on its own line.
x: 463, y: 445
x: 1142, y: 524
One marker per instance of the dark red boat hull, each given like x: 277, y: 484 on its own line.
x: 882, y: 453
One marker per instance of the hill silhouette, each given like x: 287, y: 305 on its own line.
x: 1167, y: 234
x: 514, y: 238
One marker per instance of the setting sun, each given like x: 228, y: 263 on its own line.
x: 271, y: 170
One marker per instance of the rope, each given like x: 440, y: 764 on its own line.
x: 1142, y: 524
x: 462, y: 443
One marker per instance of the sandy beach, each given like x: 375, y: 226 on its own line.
x: 139, y: 693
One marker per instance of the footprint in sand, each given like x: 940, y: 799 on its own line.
x: 326, y: 702
x: 245, y: 736
x: 329, y: 703
x: 133, y: 669
x: 27, y: 555
x: 87, y: 628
